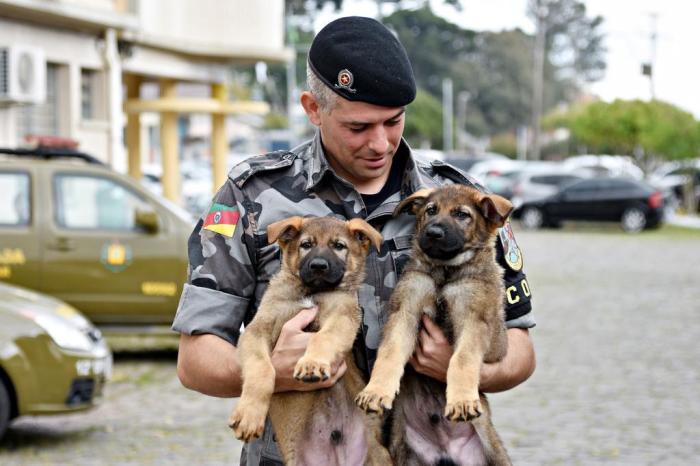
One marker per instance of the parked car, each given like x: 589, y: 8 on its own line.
x: 467, y: 162
x: 634, y: 204
x: 52, y: 359
x: 614, y: 166
x: 532, y: 185
x: 674, y: 177
x: 75, y: 229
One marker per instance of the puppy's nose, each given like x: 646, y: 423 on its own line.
x: 319, y: 264
x: 435, y: 232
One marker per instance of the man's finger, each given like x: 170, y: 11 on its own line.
x: 303, y: 318
x: 432, y: 329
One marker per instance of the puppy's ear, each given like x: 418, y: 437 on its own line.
x: 364, y: 232
x: 284, y: 230
x: 413, y: 202
x: 495, y: 209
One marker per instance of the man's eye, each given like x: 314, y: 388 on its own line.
x: 432, y: 210
x: 460, y: 215
x: 357, y: 129
x: 306, y: 245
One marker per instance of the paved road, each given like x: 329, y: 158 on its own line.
x: 617, y: 380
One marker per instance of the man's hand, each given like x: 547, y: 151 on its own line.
x: 290, y: 347
x: 433, y: 351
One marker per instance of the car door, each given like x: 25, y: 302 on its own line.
x: 19, y: 227
x: 574, y: 202
x: 99, y: 258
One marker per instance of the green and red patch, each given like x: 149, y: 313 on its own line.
x: 222, y: 219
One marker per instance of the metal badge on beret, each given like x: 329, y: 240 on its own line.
x: 345, y: 80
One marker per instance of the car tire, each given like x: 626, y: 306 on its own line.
x: 633, y: 220
x: 532, y: 218
x: 5, y: 408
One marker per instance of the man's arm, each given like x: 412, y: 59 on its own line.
x: 209, y: 364
x: 433, y: 353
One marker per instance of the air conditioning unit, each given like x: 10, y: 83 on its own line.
x: 22, y: 74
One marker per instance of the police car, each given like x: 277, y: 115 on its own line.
x: 52, y: 359
x: 75, y: 229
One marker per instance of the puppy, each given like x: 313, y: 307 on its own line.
x: 453, y: 277
x: 323, y: 261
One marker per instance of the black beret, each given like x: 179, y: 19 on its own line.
x: 361, y: 60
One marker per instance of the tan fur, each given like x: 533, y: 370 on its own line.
x: 338, y: 321
x: 471, y: 294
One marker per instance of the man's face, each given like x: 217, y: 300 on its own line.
x: 360, y: 139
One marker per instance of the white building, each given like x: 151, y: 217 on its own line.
x: 78, y: 69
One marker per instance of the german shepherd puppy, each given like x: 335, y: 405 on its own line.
x: 323, y: 261
x: 454, y: 278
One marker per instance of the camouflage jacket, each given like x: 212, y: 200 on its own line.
x: 231, y: 262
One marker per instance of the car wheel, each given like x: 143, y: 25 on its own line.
x: 633, y: 220
x: 532, y: 218
x: 4, y: 409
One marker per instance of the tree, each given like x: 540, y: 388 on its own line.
x: 424, y: 121
x: 653, y: 129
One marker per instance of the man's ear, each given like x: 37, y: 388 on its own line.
x: 413, y: 202
x: 495, y: 209
x: 365, y: 233
x: 284, y: 230
x: 311, y: 107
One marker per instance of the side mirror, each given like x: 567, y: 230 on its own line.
x: 147, y: 220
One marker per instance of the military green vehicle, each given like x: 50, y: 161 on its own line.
x: 52, y: 359
x: 73, y: 228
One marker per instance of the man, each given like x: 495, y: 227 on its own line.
x: 358, y: 165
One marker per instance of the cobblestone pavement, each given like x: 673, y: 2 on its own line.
x: 617, y: 380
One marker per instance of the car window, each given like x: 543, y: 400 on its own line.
x: 95, y: 203
x: 14, y: 201
x: 584, y: 186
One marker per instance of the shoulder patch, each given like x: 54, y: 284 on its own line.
x: 242, y: 172
x: 511, y: 252
x: 222, y: 219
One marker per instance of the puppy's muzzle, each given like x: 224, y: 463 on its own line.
x: 321, y: 272
x: 441, y: 241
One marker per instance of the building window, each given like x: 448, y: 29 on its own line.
x: 41, y: 119
x: 88, y: 94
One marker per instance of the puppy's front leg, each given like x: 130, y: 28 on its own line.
x: 415, y: 292
x: 248, y: 418
x: 471, y: 335
x: 339, y: 319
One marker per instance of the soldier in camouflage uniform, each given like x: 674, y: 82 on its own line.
x: 357, y: 165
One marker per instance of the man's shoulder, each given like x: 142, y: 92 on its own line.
x: 270, y: 162
x: 445, y: 173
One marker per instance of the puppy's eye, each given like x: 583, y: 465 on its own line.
x: 460, y: 215
x: 431, y: 210
x: 339, y: 246
x: 306, y: 244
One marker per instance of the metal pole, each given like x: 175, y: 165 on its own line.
x: 447, y: 116
x: 538, y: 78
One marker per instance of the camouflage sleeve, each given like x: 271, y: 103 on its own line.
x: 518, y: 295
x: 221, y: 280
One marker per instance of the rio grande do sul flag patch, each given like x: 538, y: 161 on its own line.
x: 222, y: 219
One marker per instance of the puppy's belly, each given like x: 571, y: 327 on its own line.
x: 432, y: 437
x: 336, y: 435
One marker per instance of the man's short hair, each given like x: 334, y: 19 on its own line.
x: 326, y: 98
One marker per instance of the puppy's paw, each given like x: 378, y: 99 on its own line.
x: 372, y: 400
x: 247, y: 422
x: 463, y: 410
x: 310, y: 370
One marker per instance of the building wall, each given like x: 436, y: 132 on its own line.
x: 70, y: 51
x: 233, y: 26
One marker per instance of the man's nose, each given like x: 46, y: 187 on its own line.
x: 379, y: 143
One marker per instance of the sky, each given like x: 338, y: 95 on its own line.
x: 627, y: 25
